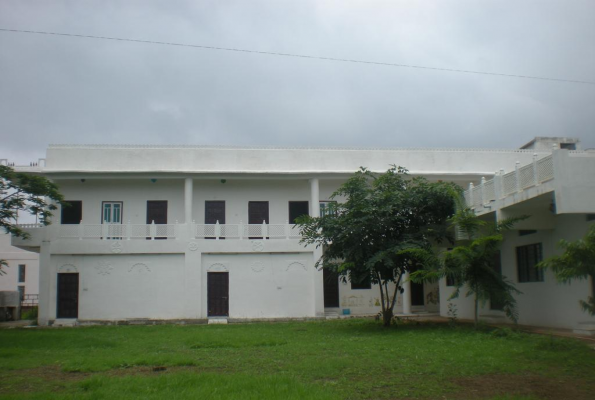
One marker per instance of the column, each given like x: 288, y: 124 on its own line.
x: 314, y: 198
x: 188, y: 188
x: 406, y: 294
x: 318, y: 282
x: 45, y: 285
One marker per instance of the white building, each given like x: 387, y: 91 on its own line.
x: 22, y: 272
x: 193, y: 232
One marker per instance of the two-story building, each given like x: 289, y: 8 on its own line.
x: 204, y: 232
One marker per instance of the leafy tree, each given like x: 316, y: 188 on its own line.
x: 28, y: 193
x: 577, y: 262
x: 471, y: 263
x: 381, y: 227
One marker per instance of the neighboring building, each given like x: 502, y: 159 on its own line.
x: 197, y: 232
x: 22, y: 273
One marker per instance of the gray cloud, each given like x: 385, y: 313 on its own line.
x: 70, y: 90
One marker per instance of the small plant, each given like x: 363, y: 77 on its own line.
x: 30, y: 314
x: 452, y: 314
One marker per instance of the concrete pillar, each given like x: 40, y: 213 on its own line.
x: 188, y: 191
x: 45, y: 283
x: 317, y: 276
x: 314, y: 198
x: 406, y: 294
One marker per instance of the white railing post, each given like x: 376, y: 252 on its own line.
x: 471, y: 203
x: 81, y: 230
x: 176, y: 230
x: 497, y: 185
x: 264, y: 230
x: 217, y: 230
x: 287, y: 229
x: 104, y: 231
x: 241, y: 230
x: 482, y: 190
x: 535, y: 175
x: 502, y: 192
x: 153, y: 230
x: 517, y: 176
x: 128, y: 230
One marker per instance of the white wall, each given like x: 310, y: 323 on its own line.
x: 546, y: 303
x: 15, y: 257
x: 113, y: 287
x: 265, y: 285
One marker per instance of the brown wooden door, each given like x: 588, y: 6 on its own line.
x: 214, y: 211
x: 297, y: 209
x: 68, y: 296
x: 331, y: 288
x: 258, y: 211
x: 218, y: 294
x: 157, y: 212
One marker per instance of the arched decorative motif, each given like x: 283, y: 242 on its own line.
x: 296, y: 265
x: 218, y: 267
x: 68, y: 268
x: 192, y: 246
x: 139, y: 268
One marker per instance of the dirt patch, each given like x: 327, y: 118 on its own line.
x: 542, y: 387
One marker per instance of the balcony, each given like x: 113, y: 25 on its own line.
x: 39, y: 233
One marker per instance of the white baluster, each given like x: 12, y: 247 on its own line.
x: 287, y: 229
x: 470, y: 204
x: 217, y: 230
x: 264, y: 230
x: 81, y: 230
x: 517, y: 176
x: 128, y: 230
x: 153, y: 230
x: 241, y: 228
x: 482, y: 190
x: 535, y: 175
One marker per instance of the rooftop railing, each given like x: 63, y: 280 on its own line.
x: 503, y: 185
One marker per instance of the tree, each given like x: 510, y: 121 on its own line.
x: 382, y: 226
x: 24, y: 192
x: 471, y: 263
x: 577, y: 262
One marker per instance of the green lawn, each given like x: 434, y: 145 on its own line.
x: 342, y: 359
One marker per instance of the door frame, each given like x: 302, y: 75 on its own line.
x: 209, y: 274
x: 58, y: 316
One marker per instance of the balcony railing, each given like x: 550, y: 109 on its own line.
x: 503, y: 185
x: 130, y: 231
x: 246, y: 231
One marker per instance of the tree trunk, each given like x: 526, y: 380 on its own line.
x: 387, y: 317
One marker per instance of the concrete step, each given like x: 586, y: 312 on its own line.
x: 586, y: 328
x: 221, y: 320
x: 65, y: 322
x: 331, y: 315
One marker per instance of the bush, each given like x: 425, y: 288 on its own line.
x: 30, y: 314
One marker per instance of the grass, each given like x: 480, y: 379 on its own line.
x: 345, y: 359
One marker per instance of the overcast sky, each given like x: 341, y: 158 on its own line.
x: 57, y: 89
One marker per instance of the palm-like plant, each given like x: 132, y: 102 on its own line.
x: 577, y: 262
x: 471, y: 263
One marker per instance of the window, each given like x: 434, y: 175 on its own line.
x: 327, y: 208
x: 112, y: 212
x: 361, y: 282
x: 527, y: 258
x: 72, y: 212
x: 297, y: 209
x: 568, y: 146
x: 22, y: 273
